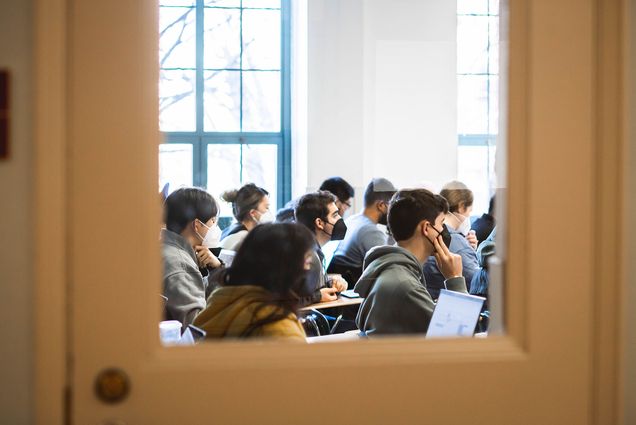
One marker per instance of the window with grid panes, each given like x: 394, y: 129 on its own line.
x: 477, y: 95
x: 224, y: 95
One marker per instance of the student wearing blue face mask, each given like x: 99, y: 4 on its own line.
x: 191, y: 230
x: 463, y: 241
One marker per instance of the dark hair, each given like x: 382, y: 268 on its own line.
x: 409, y: 207
x: 457, y: 194
x: 312, y: 206
x: 285, y: 215
x: 339, y: 187
x: 378, y: 189
x: 272, y: 256
x: 244, y: 199
x: 491, y: 206
x: 185, y: 205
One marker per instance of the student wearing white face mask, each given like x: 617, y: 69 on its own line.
x: 250, y: 206
x: 191, y: 229
x: 463, y: 240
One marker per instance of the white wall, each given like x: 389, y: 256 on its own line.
x: 15, y: 222
x: 382, y: 91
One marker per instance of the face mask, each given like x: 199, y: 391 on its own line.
x: 464, y: 224
x: 383, y: 219
x: 339, y: 230
x: 212, y: 239
x: 311, y: 281
x: 266, y: 217
x: 446, y: 236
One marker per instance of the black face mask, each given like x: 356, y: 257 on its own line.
x: 311, y: 282
x: 339, y: 230
x: 446, y: 236
x: 384, y: 218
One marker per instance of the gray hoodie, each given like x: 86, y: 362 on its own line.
x: 396, y: 300
x: 183, y: 284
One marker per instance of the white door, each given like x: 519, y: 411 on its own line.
x: 557, y: 364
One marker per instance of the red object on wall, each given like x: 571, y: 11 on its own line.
x: 4, y: 114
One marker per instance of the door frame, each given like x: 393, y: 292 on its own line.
x: 50, y: 297
x: 605, y: 28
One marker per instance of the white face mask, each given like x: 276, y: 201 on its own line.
x: 212, y: 239
x: 464, y: 224
x: 266, y: 217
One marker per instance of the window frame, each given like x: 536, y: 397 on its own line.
x: 200, y: 139
x: 486, y: 140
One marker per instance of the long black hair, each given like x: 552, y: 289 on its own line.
x: 272, y: 256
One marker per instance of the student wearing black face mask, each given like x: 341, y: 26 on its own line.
x: 396, y: 299
x: 260, y: 292
x: 319, y: 213
x: 457, y: 225
x: 363, y: 232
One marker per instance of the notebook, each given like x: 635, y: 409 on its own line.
x: 455, y: 315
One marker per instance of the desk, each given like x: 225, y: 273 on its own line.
x: 340, y: 302
x: 353, y: 335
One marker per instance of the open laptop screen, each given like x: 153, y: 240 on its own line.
x: 455, y: 315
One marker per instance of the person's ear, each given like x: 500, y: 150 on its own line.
x: 319, y: 224
x: 425, y: 224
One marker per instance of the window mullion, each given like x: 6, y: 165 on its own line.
x: 199, y: 161
x: 241, y: 79
x: 284, y: 145
x: 199, y: 65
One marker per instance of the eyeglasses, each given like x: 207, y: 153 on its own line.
x: 348, y: 204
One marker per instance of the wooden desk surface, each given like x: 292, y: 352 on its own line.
x: 340, y: 302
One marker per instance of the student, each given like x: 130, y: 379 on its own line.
x: 260, y: 293
x: 480, y: 283
x: 190, y: 217
x: 250, y: 206
x: 343, y: 192
x: 396, y: 300
x: 463, y: 241
x: 485, y: 224
x: 318, y: 212
x: 362, y: 231
x: 286, y: 214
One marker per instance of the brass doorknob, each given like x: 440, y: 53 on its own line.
x: 112, y: 385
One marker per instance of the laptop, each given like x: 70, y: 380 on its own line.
x: 455, y: 315
x: 227, y: 256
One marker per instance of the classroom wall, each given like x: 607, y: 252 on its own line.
x: 382, y: 91
x: 15, y: 224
